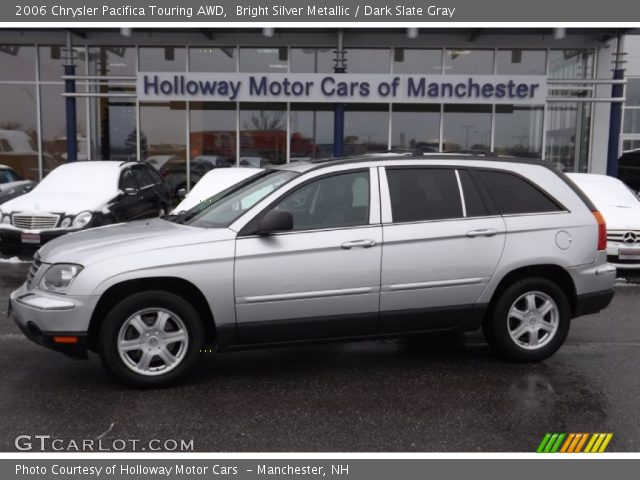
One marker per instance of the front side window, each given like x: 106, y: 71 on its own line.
x: 329, y: 202
x: 421, y: 194
x: 223, y: 209
x: 514, y: 195
x: 142, y: 177
x: 8, y: 176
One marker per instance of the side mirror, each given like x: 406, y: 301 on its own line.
x: 130, y: 191
x: 181, y: 193
x: 275, y: 221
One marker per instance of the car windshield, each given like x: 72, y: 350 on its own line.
x: 226, y: 207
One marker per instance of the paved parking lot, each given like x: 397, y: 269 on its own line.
x: 443, y: 393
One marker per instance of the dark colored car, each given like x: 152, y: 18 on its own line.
x: 174, y: 171
x: 629, y: 169
x: 12, y: 185
x: 81, y: 195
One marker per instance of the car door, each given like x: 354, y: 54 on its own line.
x: 130, y: 205
x: 442, y: 243
x: 322, y: 278
x: 149, y: 199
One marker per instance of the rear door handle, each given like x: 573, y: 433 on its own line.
x: 482, y: 232
x: 358, y: 243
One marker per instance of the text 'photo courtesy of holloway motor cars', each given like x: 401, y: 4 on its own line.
x: 352, y: 248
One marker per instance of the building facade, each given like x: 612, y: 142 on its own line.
x: 569, y: 126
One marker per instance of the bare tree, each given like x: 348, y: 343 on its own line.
x: 266, y: 121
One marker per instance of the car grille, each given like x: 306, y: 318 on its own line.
x: 33, y: 269
x: 624, y: 236
x: 34, y: 222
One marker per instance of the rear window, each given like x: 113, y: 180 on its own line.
x: 514, y: 195
x: 419, y: 194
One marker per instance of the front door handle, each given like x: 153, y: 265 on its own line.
x: 358, y: 243
x: 482, y: 232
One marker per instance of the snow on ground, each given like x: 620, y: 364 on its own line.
x: 13, y: 260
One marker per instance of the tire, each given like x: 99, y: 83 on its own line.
x: 139, y: 352
x: 519, y: 326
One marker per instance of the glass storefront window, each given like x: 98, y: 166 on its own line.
x: 312, y: 60
x: 113, y: 129
x: 113, y: 60
x: 518, y: 61
x: 632, y: 92
x: 368, y: 60
x: 465, y: 61
x: 53, y: 58
x: 212, y: 129
x: 18, y: 130
x: 409, y: 60
x: 264, y: 60
x: 18, y: 62
x: 570, y: 63
x: 212, y: 59
x: 568, y: 133
x: 311, y: 131
x: 416, y: 127
x: 263, y: 134
x: 630, y: 145
x: 631, y: 120
x: 162, y: 129
x: 466, y: 127
x: 54, y: 128
x: 163, y: 59
x: 366, y: 128
x: 518, y: 130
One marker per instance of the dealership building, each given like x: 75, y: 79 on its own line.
x: 256, y: 96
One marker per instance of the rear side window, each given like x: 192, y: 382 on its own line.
x: 142, y: 176
x: 472, y: 199
x: 514, y: 195
x: 153, y: 173
x: 419, y: 194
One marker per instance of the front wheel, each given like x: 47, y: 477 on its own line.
x: 151, y: 339
x: 530, y: 320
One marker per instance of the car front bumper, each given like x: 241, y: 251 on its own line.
x: 624, y: 263
x: 12, y: 236
x: 54, y: 321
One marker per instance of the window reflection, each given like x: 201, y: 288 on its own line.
x: 407, y: 60
x: 517, y: 61
x: 18, y: 62
x: 464, y: 61
x: 264, y: 60
x: 570, y: 64
x: 114, y: 132
x: 368, y: 60
x: 112, y: 60
x: 54, y: 128
x: 18, y: 131
x: 312, y: 60
x: 366, y: 128
x: 416, y: 127
x: 53, y: 58
x: 263, y: 134
x: 518, y: 130
x: 212, y: 59
x: 568, y: 131
x: 213, y: 130
x: 466, y: 127
x: 163, y: 59
x: 311, y: 131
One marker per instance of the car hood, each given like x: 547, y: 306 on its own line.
x: 621, y: 217
x: 69, y: 203
x: 102, y: 243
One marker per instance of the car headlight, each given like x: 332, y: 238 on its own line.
x: 6, y: 218
x: 82, y: 219
x: 66, y: 222
x: 59, y: 277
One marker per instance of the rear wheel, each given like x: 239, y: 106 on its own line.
x: 530, y: 320
x: 151, y: 338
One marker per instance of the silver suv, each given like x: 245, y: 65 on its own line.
x: 343, y: 249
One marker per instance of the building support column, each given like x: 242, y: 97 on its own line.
x: 70, y: 103
x: 615, y: 118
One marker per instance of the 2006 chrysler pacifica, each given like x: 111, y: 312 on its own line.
x: 352, y: 248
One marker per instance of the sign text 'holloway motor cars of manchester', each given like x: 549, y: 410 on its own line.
x: 511, y: 89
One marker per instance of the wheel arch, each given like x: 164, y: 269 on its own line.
x: 554, y: 273
x: 176, y: 285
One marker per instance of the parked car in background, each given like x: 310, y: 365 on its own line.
x: 355, y: 248
x: 216, y: 161
x: 212, y: 184
x: 158, y: 161
x: 174, y: 172
x: 620, y: 207
x: 81, y: 195
x: 629, y: 169
x: 18, y: 151
x: 12, y: 185
x: 255, y: 162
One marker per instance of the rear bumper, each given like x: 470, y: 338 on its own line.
x: 590, y: 303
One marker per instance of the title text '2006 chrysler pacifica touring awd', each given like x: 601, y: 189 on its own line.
x: 353, y: 248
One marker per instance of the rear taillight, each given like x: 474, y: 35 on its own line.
x: 602, y: 230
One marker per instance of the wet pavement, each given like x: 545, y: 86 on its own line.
x: 441, y: 393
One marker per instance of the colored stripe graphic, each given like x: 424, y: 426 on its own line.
x: 555, y: 442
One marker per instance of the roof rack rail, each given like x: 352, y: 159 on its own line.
x: 470, y: 151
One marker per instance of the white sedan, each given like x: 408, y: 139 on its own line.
x: 212, y: 183
x: 621, y: 210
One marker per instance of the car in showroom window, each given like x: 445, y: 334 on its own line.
x: 12, y: 185
x: 364, y: 247
x: 620, y: 207
x: 78, y: 196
